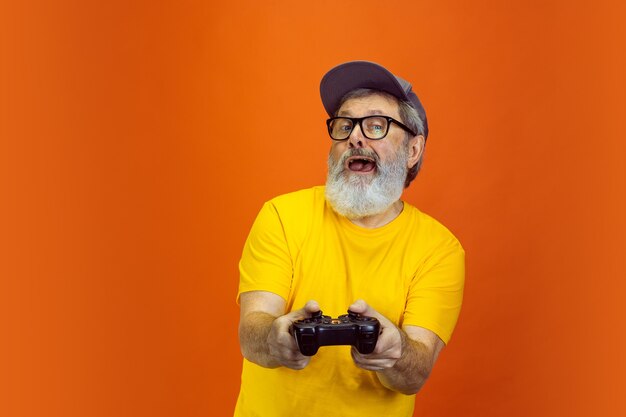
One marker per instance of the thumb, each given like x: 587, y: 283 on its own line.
x: 362, y: 308
x: 309, y: 308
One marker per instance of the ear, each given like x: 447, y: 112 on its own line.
x: 416, y: 148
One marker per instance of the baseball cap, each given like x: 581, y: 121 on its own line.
x: 348, y: 76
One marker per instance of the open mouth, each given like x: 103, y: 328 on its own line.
x: 362, y: 164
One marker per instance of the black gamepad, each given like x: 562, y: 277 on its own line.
x: 348, y: 329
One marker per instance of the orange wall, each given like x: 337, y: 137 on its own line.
x: 137, y: 143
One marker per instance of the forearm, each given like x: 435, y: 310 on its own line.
x: 410, y: 371
x: 253, y: 333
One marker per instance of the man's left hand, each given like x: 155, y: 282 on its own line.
x: 389, y: 346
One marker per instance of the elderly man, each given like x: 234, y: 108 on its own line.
x: 351, y: 245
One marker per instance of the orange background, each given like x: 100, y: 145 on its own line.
x: 138, y: 141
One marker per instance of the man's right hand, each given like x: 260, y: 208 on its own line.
x: 281, y: 342
x: 264, y: 330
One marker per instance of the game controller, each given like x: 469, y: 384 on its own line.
x: 348, y: 329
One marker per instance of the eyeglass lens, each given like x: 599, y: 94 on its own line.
x: 373, y: 127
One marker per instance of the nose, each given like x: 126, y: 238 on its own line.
x: 356, y: 139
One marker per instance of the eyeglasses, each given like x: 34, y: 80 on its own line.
x: 372, y: 127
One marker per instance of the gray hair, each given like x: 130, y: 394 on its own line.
x: 408, y: 116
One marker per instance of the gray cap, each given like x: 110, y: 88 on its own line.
x: 349, y: 76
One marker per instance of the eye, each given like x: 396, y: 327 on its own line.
x: 342, y: 125
x: 376, y: 126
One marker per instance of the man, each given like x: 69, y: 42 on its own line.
x: 353, y: 244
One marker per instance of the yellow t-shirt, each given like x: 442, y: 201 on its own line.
x: 410, y: 270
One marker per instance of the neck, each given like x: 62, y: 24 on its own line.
x: 380, y: 219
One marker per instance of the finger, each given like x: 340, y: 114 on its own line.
x: 286, y: 350
x: 297, y: 364
x: 282, y: 325
x: 371, y: 367
x: 293, y: 358
x: 309, y: 308
x: 364, y: 309
x: 360, y: 307
x: 372, y: 364
x: 371, y: 359
x: 383, y: 354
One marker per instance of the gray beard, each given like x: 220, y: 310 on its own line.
x: 356, y: 196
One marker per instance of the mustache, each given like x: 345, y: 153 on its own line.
x: 359, y: 152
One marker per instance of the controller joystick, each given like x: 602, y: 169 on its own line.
x: 353, y: 315
x: 348, y: 329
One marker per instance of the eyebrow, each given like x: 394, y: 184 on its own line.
x: 369, y: 113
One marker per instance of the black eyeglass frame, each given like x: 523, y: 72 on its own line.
x: 358, y: 120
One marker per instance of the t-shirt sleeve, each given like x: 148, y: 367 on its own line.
x: 266, y: 263
x: 436, y: 292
